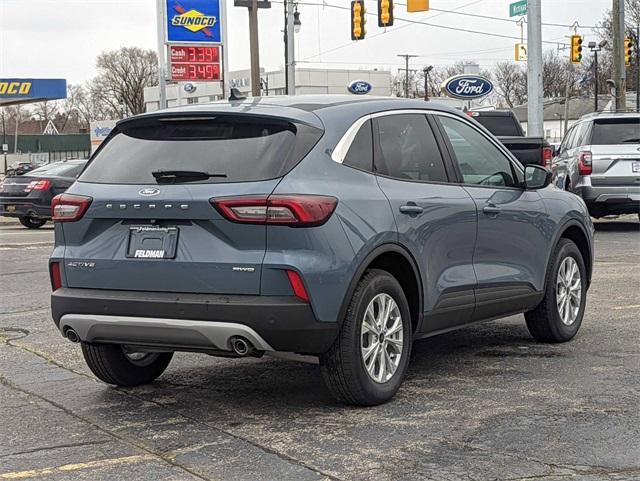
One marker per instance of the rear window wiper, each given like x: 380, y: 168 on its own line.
x: 173, y: 176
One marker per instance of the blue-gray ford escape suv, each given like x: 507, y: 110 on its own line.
x: 333, y: 226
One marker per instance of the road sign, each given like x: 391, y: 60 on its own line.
x: 521, y: 52
x: 194, y: 62
x: 518, y: 9
x: 195, y: 21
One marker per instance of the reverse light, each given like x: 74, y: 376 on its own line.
x: 68, y: 207
x: 54, y: 273
x: 585, y: 162
x: 38, y: 185
x: 547, y: 155
x: 291, y: 210
x: 298, y: 286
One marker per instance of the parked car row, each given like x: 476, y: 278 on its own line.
x: 28, y: 196
x: 338, y: 227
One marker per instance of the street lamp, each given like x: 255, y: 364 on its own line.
x: 426, y: 71
x: 296, y: 21
x: 595, y: 48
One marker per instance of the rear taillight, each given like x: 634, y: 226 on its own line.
x: 56, y: 278
x: 38, y: 185
x: 69, y: 208
x: 585, y: 163
x: 291, y: 210
x: 298, y: 286
x: 547, y: 155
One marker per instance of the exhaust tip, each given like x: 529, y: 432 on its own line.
x: 72, y: 335
x: 240, y: 346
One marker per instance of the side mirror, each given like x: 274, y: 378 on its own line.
x: 536, y: 177
x: 556, y: 151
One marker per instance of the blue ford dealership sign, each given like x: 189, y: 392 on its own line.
x: 467, y: 87
x: 193, y: 21
x: 360, y: 87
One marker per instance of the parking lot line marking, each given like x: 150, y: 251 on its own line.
x: 34, y: 473
x: 620, y: 308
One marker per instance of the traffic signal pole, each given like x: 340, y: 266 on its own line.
x: 535, y: 120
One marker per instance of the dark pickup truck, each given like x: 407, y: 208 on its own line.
x: 506, y: 127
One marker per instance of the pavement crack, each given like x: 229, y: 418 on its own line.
x: 163, y: 456
x: 22, y: 333
x: 266, y: 449
x: 4, y: 381
x: 51, y: 448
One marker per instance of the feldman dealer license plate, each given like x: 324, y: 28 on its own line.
x: 152, y: 242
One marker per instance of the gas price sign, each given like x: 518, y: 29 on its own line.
x: 193, y: 62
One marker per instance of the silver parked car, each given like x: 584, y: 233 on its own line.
x: 599, y: 160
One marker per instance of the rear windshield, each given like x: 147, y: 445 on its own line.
x: 57, y: 170
x: 502, y: 125
x: 616, y: 131
x: 235, y: 149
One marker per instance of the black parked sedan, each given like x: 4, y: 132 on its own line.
x: 28, y: 196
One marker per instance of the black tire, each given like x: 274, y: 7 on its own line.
x: 343, y: 367
x: 32, y: 222
x: 544, y: 322
x: 110, y: 364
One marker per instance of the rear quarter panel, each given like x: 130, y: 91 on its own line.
x: 328, y: 256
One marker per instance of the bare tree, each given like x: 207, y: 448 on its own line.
x: 123, y: 75
x: 510, y: 82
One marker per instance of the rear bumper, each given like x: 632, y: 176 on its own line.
x: 611, y: 199
x: 191, y: 321
x: 19, y: 207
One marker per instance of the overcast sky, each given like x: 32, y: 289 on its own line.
x: 61, y: 38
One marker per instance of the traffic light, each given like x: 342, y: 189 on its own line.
x: 628, y: 51
x: 357, y: 20
x: 385, y: 13
x: 576, y: 49
x: 417, y: 5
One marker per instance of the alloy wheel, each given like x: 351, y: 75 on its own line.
x: 381, y: 338
x: 568, y: 291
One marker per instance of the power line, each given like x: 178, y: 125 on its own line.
x: 434, y: 25
x: 381, y: 33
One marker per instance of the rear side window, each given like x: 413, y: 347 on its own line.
x: 56, y: 170
x: 503, y: 125
x: 616, y: 131
x: 360, y: 153
x: 243, y: 149
x: 408, y: 149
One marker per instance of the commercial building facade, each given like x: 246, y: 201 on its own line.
x: 308, y: 81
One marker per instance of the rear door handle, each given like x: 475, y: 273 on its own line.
x: 491, y: 210
x: 411, y: 208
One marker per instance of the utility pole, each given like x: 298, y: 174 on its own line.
x: 619, y: 70
x: 535, y: 121
x: 406, y: 71
x: 289, y: 47
x: 638, y: 68
x: 162, y: 82
x: 255, y: 49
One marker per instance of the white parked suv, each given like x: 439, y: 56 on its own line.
x: 599, y: 160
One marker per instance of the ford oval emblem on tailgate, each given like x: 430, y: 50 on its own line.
x: 148, y: 192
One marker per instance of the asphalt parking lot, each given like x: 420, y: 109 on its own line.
x: 482, y: 403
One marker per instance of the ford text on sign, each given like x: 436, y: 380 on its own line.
x: 467, y: 87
